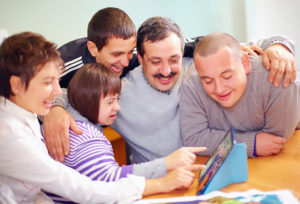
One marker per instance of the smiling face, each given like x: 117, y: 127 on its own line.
x: 162, y: 61
x: 223, y: 76
x: 41, y: 90
x: 109, y: 107
x: 115, y: 55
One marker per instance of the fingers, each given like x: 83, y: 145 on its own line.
x: 279, y: 67
x: 279, y: 61
x: 74, y: 127
x: 294, y: 71
x: 186, y: 176
x: 58, y: 150
x: 65, y: 138
x: 195, y: 167
x: 56, y: 131
x: 257, y: 49
x: 279, y: 140
x: 196, y: 149
x: 49, y: 143
x: 266, y: 63
x: 273, y: 70
x: 251, y: 52
x: 288, y: 75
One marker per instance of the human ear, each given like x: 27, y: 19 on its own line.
x: 16, y: 84
x: 246, y: 63
x: 140, y: 58
x: 92, y: 48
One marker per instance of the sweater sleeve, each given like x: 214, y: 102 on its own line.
x: 190, y: 45
x: 91, y: 154
x: 282, y: 110
x: 193, y: 120
x: 267, y: 42
x: 61, y: 100
x: 152, y: 169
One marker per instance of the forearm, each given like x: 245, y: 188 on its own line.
x: 61, y: 100
x: 153, y: 186
x: 33, y: 165
x: 267, y: 42
x: 152, y: 169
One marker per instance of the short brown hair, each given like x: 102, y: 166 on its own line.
x: 107, y: 23
x: 23, y: 55
x: 91, y: 82
x: 156, y: 29
x: 211, y: 43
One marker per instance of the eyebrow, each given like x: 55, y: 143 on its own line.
x: 110, y: 98
x: 48, y: 77
x: 207, y: 77
x: 156, y: 57
x: 117, y: 52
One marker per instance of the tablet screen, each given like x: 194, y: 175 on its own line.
x: 215, y: 161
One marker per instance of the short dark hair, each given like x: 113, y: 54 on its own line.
x: 24, y: 55
x: 156, y: 29
x: 91, y: 82
x: 211, y: 43
x: 107, y: 23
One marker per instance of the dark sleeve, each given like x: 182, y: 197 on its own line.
x: 190, y: 45
x: 133, y: 63
x: 75, y: 54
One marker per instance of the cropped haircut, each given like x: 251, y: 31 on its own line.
x: 107, y: 23
x: 91, y: 82
x: 24, y: 55
x: 211, y: 43
x: 156, y: 29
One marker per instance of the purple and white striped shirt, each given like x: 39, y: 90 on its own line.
x: 92, y: 155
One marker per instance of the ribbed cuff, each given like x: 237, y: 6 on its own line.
x: 153, y: 169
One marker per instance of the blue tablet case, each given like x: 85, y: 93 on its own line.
x: 234, y: 169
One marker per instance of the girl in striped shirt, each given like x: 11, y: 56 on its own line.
x: 93, y: 95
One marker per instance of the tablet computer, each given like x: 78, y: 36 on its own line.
x: 218, y: 157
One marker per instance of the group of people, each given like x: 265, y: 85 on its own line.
x: 170, y: 101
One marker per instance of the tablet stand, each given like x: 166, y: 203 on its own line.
x: 233, y: 170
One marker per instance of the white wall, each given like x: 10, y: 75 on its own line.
x: 272, y: 17
x: 64, y: 20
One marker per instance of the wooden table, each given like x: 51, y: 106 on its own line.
x: 281, y: 171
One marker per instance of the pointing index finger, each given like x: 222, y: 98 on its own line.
x: 196, y: 149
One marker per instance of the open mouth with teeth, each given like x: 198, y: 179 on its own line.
x: 117, y: 69
x: 164, y: 79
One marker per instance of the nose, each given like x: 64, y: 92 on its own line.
x: 219, y: 87
x: 117, y: 106
x: 165, y: 70
x: 125, y: 60
x: 57, y: 90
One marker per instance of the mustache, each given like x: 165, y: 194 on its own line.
x: 159, y: 75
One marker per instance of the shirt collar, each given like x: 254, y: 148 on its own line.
x: 21, y: 114
x: 13, y: 109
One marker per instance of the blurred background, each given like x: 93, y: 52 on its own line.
x: 64, y: 20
